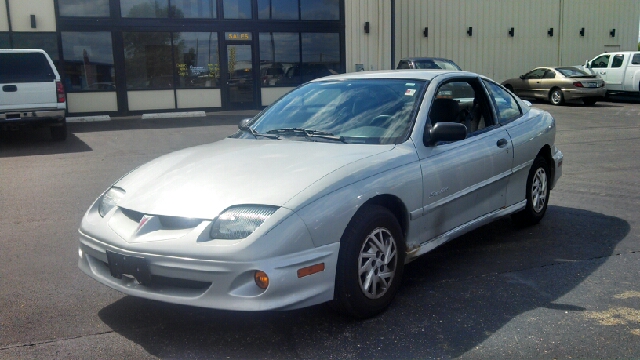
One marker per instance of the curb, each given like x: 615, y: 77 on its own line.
x: 89, y: 118
x: 174, y: 115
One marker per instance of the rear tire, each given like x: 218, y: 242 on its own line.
x: 59, y: 133
x: 538, y: 192
x: 556, y: 97
x: 370, y: 263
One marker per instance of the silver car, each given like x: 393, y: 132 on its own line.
x: 325, y: 195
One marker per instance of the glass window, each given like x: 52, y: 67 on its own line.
x: 636, y: 59
x: 197, y: 63
x: 97, y: 8
x: 25, y: 67
x: 571, y: 71
x: 320, y: 55
x: 617, y: 61
x: 88, y: 61
x: 279, y: 52
x: 601, y: 61
x: 45, y: 41
x: 148, y: 60
x: 237, y: 9
x: 278, y: 9
x: 549, y: 74
x: 506, y: 105
x: 535, y: 74
x: 320, y: 9
x: 144, y: 8
x: 403, y: 64
x: 4, y: 41
x: 203, y: 9
x: 364, y: 111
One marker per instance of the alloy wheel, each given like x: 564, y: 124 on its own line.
x: 377, y: 263
x: 539, y: 190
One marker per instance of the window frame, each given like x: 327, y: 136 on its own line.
x: 486, y: 82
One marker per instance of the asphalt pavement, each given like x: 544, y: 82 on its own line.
x: 566, y: 288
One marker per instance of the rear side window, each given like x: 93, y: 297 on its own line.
x: 25, y: 67
x: 636, y: 59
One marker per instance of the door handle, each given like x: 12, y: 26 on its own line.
x: 502, y: 143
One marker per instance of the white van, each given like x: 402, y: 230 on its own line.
x: 619, y: 70
x: 31, y: 93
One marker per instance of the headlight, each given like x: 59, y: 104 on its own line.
x: 238, y: 222
x: 110, y: 200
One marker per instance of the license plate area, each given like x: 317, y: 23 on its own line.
x: 592, y: 84
x: 135, y: 266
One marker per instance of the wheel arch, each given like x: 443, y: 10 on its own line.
x: 396, y: 206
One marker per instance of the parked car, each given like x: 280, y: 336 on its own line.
x: 325, y: 195
x: 620, y: 71
x: 427, y: 63
x: 558, y: 84
x: 32, y: 94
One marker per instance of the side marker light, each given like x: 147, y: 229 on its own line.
x: 310, y: 270
x: 262, y: 280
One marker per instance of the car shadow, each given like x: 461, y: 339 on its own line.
x: 624, y: 98
x: 575, y: 103
x: 452, y: 299
x: 28, y: 142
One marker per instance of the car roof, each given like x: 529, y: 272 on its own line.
x: 21, y: 51
x: 417, y: 74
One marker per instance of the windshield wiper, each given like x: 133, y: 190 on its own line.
x: 309, y: 133
x: 255, y: 134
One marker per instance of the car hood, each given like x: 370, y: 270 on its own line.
x: 202, y: 181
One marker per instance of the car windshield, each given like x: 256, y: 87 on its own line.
x: 435, y: 64
x: 571, y: 72
x: 365, y: 111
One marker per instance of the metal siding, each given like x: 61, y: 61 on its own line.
x: 21, y: 11
x: 373, y: 49
x: 4, y: 23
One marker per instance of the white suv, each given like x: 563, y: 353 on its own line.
x: 32, y: 93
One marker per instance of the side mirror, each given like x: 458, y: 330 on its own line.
x: 445, y: 131
x: 522, y: 77
x: 244, y: 123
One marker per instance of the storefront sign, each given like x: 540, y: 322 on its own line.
x: 240, y: 36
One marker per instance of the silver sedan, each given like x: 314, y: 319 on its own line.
x: 325, y: 195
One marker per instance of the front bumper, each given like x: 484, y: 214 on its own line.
x: 581, y: 93
x: 219, y: 284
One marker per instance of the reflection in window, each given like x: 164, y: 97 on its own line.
x: 148, y: 62
x: 320, y: 55
x: 45, y: 41
x: 278, y: 9
x: 88, y: 61
x: 203, y: 9
x: 320, y: 9
x: 97, y: 8
x: 144, y: 8
x: 197, y: 62
x: 237, y: 9
x: 279, y: 52
x: 617, y: 61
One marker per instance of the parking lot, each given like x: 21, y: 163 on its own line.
x: 567, y: 287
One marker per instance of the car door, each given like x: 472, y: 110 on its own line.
x: 542, y: 86
x: 615, y: 72
x: 599, y: 65
x: 466, y: 179
x: 530, y: 82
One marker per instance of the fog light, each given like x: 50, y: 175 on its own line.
x: 262, y: 280
x: 79, y: 252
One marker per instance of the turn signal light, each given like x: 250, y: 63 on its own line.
x: 262, y: 280
x: 310, y: 270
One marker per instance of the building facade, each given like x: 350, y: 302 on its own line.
x: 133, y: 56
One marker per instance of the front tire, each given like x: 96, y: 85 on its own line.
x: 556, y: 97
x: 538, y: 192
x: 370, y: 263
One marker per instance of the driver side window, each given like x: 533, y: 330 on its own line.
x: 601, y: 61
x: 506, y: 106
x: 462, y: 101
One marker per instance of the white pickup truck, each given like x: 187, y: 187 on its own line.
x: 619, y: 70
x: 31, y: 93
